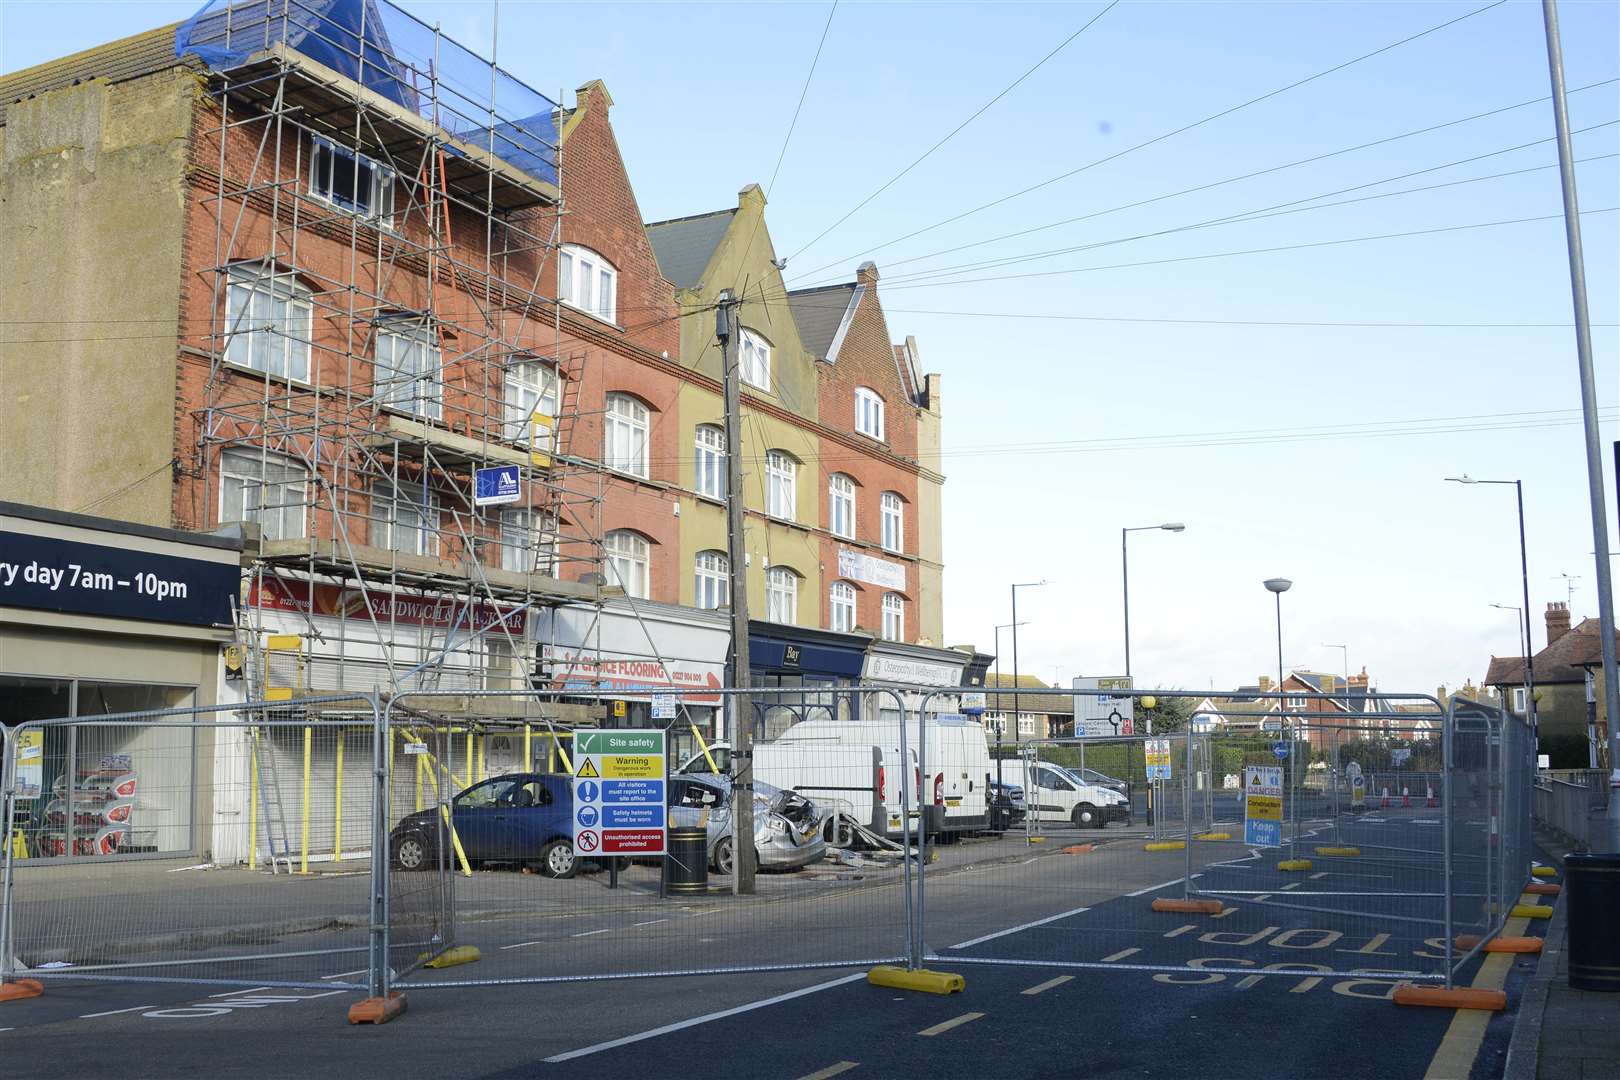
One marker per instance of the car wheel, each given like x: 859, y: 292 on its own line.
x: 723, y: 860
x: 840, y: 834
x: 411, y: 853
x: 1086, y: 817
x: 557, y: 860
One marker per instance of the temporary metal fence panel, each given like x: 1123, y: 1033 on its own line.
x: 502, y: 837
x: 107, y: 867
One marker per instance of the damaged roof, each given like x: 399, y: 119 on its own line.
x: 685, y: 245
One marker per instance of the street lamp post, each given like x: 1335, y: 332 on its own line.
x: 1524, y: 584
x: 1015, y: 625
x: 1002, y: 725
x: 1125, y: 582
x: 1518, y: 615
x: 1278, y: 586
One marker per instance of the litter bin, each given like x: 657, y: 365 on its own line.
x: 1592, y: 889
x: 686, y: 866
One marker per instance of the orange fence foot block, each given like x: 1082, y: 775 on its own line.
x: 1077, y: 849
x: 377, y: 1010
x: 1543, y: 888
x: 22, y: 988
x: 1500, y: 944
x: 1461, y: 997
x: 1188, y: 907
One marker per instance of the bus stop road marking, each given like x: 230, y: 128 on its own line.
x: 115, y: 1012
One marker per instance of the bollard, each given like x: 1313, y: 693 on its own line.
x: 1592, y: 889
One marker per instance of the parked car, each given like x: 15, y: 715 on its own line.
x: 522, y: 818
x: 1097, y: 779
x: 1007, y: 809
x: 787, y: 826
x: 1059, y: 795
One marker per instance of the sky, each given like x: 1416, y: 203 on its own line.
x: 1161, y: 377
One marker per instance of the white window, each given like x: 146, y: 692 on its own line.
x: 711, y: 586
x: 587, y: 281
x: 894, y: 522
x: 711, y: 461
x: 1297, y: 704
x: 405, y: 519
x: 625, y: 435
x: 266, y: 488
x: 755, y: 360
x: 267, y: 321
x: 628, y: 562
x: 868, y: 413
x: 352, y: 181
x: 781, y: 473
x: 781, y: 594
x: 841, y: 506
x: 894, y: 617
x: 528, y: 542
x: 841, y: 607
x: 1518, y: 699
x: 531, y: 389
x: 409, y: 374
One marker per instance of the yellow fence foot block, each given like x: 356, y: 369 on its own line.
x: 1461, y: 997
x: 22, y: 988
x: 1530, y: 911
x: 377, y: 1010
x: 1294, y: 864
x: 1037, y: 839
x: 1188, y: 907
x: 922, y: 980
x: 1165, y: 845
x: 460, y: 954
x: 1543, y: 871
x: 1213, y: 836
x: 1339, y: 852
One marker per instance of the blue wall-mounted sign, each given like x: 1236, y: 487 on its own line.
x: 497, y: 485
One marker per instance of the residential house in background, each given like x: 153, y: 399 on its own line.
x: 1021, y: 717
x: 1573, y: 723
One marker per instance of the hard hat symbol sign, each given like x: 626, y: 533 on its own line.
x: 588, y: 816
x: 587, y: 840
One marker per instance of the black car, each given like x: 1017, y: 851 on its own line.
x: 1007, y: 808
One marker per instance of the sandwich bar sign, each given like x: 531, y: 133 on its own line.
x: 619, y: 783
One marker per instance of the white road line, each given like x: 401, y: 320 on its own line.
x: 1024, y: 926
x: 588, y: 933
x: 706, y: 1018
x: 1161, y: 885
x: 233, y: 993
x: 954, y: 1022
x: 831, y: 1071
x: 521, y: 944
x: 1041, y: 988
x: 1319, y: 875
x: 650, y: 922
x: 1122, y: 954
x: 113, y: 1012
x: 346, y: 974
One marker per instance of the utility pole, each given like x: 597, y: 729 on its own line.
x: 742, y: 714
x: 1589, y: 400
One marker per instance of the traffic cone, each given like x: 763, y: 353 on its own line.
x: 1406, y: 797
x: 1431, y: 801
x: 1386, y: 797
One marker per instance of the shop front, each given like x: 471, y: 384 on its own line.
x: 99, y: 617
x: 816, y: 670
x: 917, y: 665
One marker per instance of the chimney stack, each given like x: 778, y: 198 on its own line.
x: 1361, y: 680
x: 1557, y: 621
x: 1265, y: 683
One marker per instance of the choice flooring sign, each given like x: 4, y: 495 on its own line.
x: 619, y: 781
x: 1262, y: 796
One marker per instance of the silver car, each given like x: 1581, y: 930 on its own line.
x: 787, y: 826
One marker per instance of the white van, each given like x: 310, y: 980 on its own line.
x: 860, y: 782
x: 956, y: 765
x: 1053, y: 793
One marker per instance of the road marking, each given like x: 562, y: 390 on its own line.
x: 588, y: 933
x: 114, y: 1012
x: 1319, y: 875
x: 1016, y: 929
x: 233, y: 993
x: 1161, y: 885
x: 1122, y: 954
x: 1291, y: 885
x: 1041, y: 988
x: 346, y: 974
x: 523, y: 944
x: 1178, y: 931
x: 650, y: 922
x: 706, y: 1018
x: 831, y: 1070
x: 940, y: 1029
x: 1466, y: 1035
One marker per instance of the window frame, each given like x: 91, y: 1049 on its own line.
x: 711, y: 583
x: 381, y: 185
x: 841, y: 505
x: 893, y: 606
x: 418, y: 393
x: 709, y: 461
x: 538, y: 538
x: 292, y: 306
x: 518, y: 386
x: 243, y: 476
x: 841, y: 607
x: 754, y: 359
x: 577, y: 263
x: 385, y: 495
x: 1519, y: 699
x: 636, y: 426
x: 892, y: 513
x: 781, y: 587
x: 781, y: 485
x: 869, y: 413
x: 639, y: 558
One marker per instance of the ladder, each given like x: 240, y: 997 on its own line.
x: 271, y: 809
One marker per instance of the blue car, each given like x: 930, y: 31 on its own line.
x: 517, y: 818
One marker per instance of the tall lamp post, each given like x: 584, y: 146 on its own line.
x: 1125, y: 580
x: 1015, y: 625
x: 1524, y: 584
x: 1278, y: 586
x: 1518, y: 615
x: 1002, y: 725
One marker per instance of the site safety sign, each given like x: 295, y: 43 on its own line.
x: 1158, y: 759
x: 1262, y: 798
x: 619, y: 783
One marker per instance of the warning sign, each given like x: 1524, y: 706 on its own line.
x: 1262, y: 798
x: 619, y: 783
x: 1158, y: 759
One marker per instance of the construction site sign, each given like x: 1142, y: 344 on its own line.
x: 619, y: 783
x: 1098, y: 715
x: 1158, y: 759
x: 1262, y: 798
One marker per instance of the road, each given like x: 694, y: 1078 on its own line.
x: 1059, y: 951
